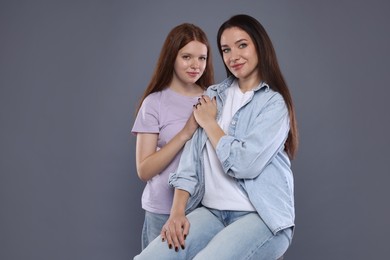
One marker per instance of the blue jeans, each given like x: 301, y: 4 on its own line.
x: 152, y: 227
x: 223, y: 235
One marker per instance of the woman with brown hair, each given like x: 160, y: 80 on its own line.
x: 234, y: 188
x: 164, y: 119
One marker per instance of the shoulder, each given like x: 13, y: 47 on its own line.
x: 265, y: 92
x: 274, y: 96
x: 153, y: 99
x: 155, y: 96
x: 223, y: 85
x: 266, y: 99
x: 151, y: 103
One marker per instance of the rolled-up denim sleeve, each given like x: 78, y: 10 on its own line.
x: 185, y: 177
x: 246, y: 158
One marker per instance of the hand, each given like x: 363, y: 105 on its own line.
x: 175, y: 231
x: 205, y: 110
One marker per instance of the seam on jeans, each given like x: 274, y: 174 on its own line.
x: 268, y: 240
x: 253, y: 251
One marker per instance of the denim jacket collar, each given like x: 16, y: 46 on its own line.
x: 219, y: 88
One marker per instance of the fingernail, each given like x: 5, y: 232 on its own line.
x: 185, y: 236
x: 176, y: 249
x: 170, y: 246
x: 182, y: 247
x: 163, y: 239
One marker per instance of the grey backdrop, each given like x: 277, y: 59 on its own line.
x: 71, y: 73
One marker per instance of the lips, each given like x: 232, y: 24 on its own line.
x: 237, y: 66
x: 193, y: 74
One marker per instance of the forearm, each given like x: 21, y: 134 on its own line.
x: 214, y: 132
x: 205, y: 113
x: 158, y: 161
x: 177, y: 226
x: 180, y: 200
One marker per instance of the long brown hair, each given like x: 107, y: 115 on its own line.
x: 177, y: 38
x: 268, y: 68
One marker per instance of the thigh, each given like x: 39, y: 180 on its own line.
x: 152, y: 227
x: 203, y: 227
x: 246, y: 238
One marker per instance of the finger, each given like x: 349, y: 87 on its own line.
x: 186, y: 229
x: 168, y: 238
x: 214, y: 100
x: 206, y: 99
x: 162, y: 234
x: 180, y: 236
x: 175, y: 234
x: 203, y: 99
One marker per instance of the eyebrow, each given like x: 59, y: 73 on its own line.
x: 241, y: 40
x: 190, y: 54
x: 236, y: 42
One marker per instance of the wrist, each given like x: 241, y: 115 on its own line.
x: 177, y: 211
x: 211, y: 126
x: 184, y: 136
x: 179, y: 202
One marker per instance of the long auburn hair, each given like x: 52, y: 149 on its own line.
x: 268, y: 68
x: 177, y: 38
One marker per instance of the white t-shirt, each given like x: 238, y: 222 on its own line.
x: 222, y: 191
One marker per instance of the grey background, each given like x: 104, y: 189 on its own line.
x: 71, y: 73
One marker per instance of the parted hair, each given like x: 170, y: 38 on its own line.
x: 177, y: 38
x: 268, y: 68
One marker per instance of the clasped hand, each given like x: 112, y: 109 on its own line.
x: 205, y: 110
x: 175, y: 231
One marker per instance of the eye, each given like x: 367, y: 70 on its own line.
x: 203, y: 58
x: 242, y: 45
x: 186, y: 57
x: 226, y: 50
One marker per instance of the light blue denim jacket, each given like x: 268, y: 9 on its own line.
x: 252, y: 152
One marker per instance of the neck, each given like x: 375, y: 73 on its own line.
x: 248, y: 83
x: 186, y: 89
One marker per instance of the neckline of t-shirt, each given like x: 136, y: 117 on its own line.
x: 181, y: 95
x: 238, y: 91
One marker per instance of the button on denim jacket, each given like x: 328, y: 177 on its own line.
x: 252, y: 152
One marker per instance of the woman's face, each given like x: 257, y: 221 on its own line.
x: 190, y: 63
x: 239, y: 53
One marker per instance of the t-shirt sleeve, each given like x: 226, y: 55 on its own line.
x: 147, y: 120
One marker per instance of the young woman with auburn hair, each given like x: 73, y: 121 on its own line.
x: 234, y: 187
x: 164, y: 121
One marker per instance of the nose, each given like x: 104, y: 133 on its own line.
x: 234, y: 56
x: 195, y: 64
x: 233, y: 59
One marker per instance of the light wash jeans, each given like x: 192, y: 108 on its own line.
x: 151, y: 229
x: 223, y: 235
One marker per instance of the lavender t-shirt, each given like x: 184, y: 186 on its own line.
x: 164, y: 113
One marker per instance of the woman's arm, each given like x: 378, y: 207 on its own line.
x: 150, y: 162
x: 177, y: 226
x: 205, y: 114
x: 246, y: 157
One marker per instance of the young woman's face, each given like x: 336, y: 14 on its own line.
x: 190, y: 62
x: 239, y: 53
